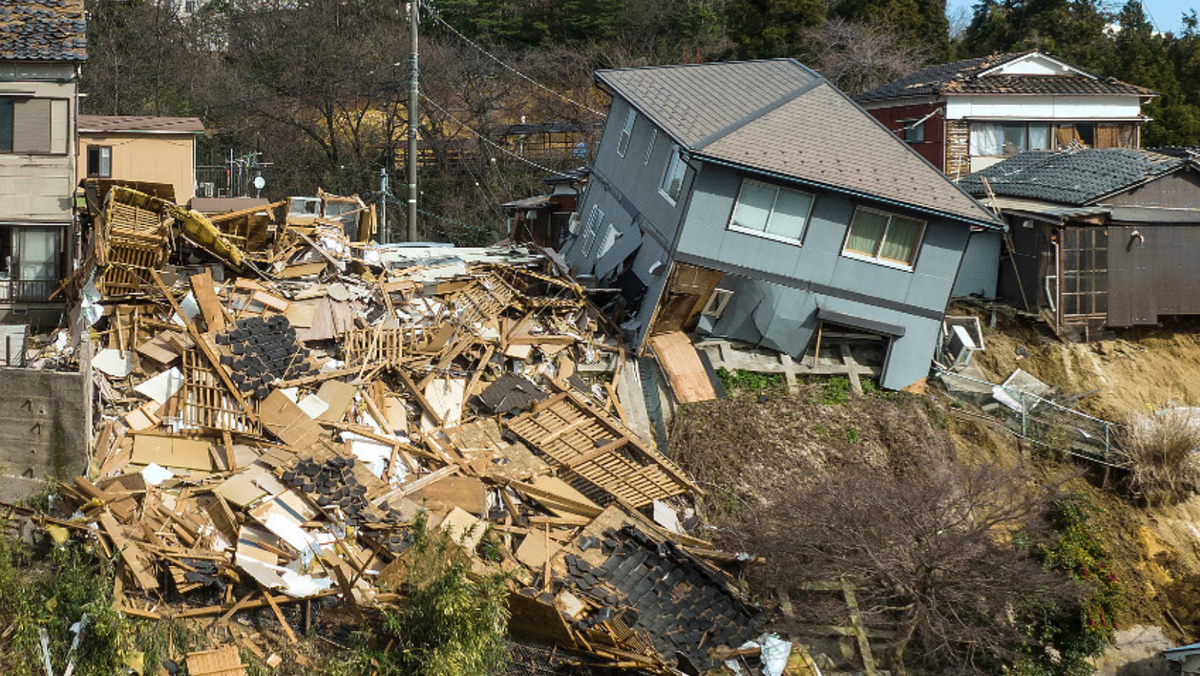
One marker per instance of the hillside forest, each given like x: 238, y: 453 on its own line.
x: 312, y: 93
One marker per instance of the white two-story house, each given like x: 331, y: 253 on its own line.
x: 43, y: 43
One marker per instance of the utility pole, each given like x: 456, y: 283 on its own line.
x: 413, y: 120
x: 383, y: 195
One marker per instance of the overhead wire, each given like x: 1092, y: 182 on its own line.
x: 490, y: 142
x: 438, y: 17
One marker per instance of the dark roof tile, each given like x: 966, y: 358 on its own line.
x: 42, y: 30
x: 1071, y: 177
x: 964, y: 77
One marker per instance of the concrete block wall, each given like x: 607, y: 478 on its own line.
x: 44, y: 429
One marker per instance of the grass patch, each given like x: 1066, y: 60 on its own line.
x: 1161, y: 449
x: 750, y: 382
x: 836, y: 391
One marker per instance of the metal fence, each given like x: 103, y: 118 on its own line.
x: 1049, y: 424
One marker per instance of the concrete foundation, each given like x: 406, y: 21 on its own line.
x: 45, y: 425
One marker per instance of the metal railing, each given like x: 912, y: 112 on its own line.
x: 1051, y: 425
x: 26, y: 291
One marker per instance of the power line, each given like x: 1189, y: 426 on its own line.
x: 438, y: 17
x: 490, y: 142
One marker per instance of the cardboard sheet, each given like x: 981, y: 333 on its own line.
x: 172, y: 452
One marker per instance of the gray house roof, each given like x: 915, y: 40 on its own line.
x: 966, y: 77
x: 42, y: 30
x: 1078, y: 178
x: 779, y: 118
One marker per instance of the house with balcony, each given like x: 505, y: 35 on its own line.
x: 968, y: 115
x: 43, y: 44
x: 755, y: 202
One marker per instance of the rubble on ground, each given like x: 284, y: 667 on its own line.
x: 280, y: 398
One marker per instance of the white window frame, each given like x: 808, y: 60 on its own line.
x: 626, y: 133
x: 674, y: 160
x: 796, y: 241
x: 715, y: 307
x: 650, y: 145
x: 592, y: 229
x: 888, y: 262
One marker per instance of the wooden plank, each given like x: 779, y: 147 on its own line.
x: 134, y: 557
x: 686, y: 373
x: 224, y: 661
x: 206, y: 298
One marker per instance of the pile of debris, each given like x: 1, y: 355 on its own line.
x: 279, y: 399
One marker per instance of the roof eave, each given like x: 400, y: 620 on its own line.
x: 994, y: 224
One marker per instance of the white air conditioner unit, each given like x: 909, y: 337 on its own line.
x: 206, y: 189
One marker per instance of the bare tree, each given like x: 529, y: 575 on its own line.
x: 861, y: 55
x: 931, y: 547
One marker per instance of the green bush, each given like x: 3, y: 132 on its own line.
x: 1076, y: 633
x: 448, y: 623
x: 751, y: 382
x: 50, y: 592
x: 836, y: 391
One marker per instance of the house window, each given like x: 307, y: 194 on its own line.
x: 777, y: 213
x: 715, y: 307
x: 33, y: 125
x: 883, y: 237
x: 6, y: 125
x: 650, y: 145
x: 592, y: 229
x: 672, y: 183
x: 997, y: 139
x: 913, y: 131
x: 626, y: 133
x: 99, y: 161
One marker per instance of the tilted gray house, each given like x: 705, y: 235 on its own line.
x: 754, y: 201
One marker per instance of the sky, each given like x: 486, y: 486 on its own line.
x: 1165, y: 13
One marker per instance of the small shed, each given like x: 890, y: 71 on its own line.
x: 1097, y: 239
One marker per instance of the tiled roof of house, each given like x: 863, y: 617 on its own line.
x: 42, y: 30
x: 778, y: 117
x: 140, y: 123
x: 1078, y: 178
x: 965, y: 77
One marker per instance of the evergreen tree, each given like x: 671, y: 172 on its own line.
x: 772, y: 28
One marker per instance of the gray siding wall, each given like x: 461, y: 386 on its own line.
x: 980, y: 267
x: 779, y: 286
x: 626, y: 189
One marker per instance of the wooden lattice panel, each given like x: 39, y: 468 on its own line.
x: 485, y: 298
x: 206, y: 403
x: 578, y: 440
x: 371, y: 346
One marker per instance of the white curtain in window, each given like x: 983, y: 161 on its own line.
x: 900, y: 243
x: 865, y: 232
x: 753, y: 207
x: 987, y: 139
x: 790, y: 215
x: 38, y: 254
x: 1039, y: 136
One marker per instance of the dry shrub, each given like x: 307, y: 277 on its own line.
x: 1161, y: 451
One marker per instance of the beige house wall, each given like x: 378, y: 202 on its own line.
x: 160, y: 158
x: 38, y: 188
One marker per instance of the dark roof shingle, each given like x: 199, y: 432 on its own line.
x: 1078, y: 177
x: 781, y: 118
x: 152, y: 124
x: 964, y: 77
x: 42, y: 30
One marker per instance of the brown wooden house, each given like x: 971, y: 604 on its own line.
x: 1099, y: 238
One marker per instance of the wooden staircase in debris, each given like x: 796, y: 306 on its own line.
x: 582, y: 442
